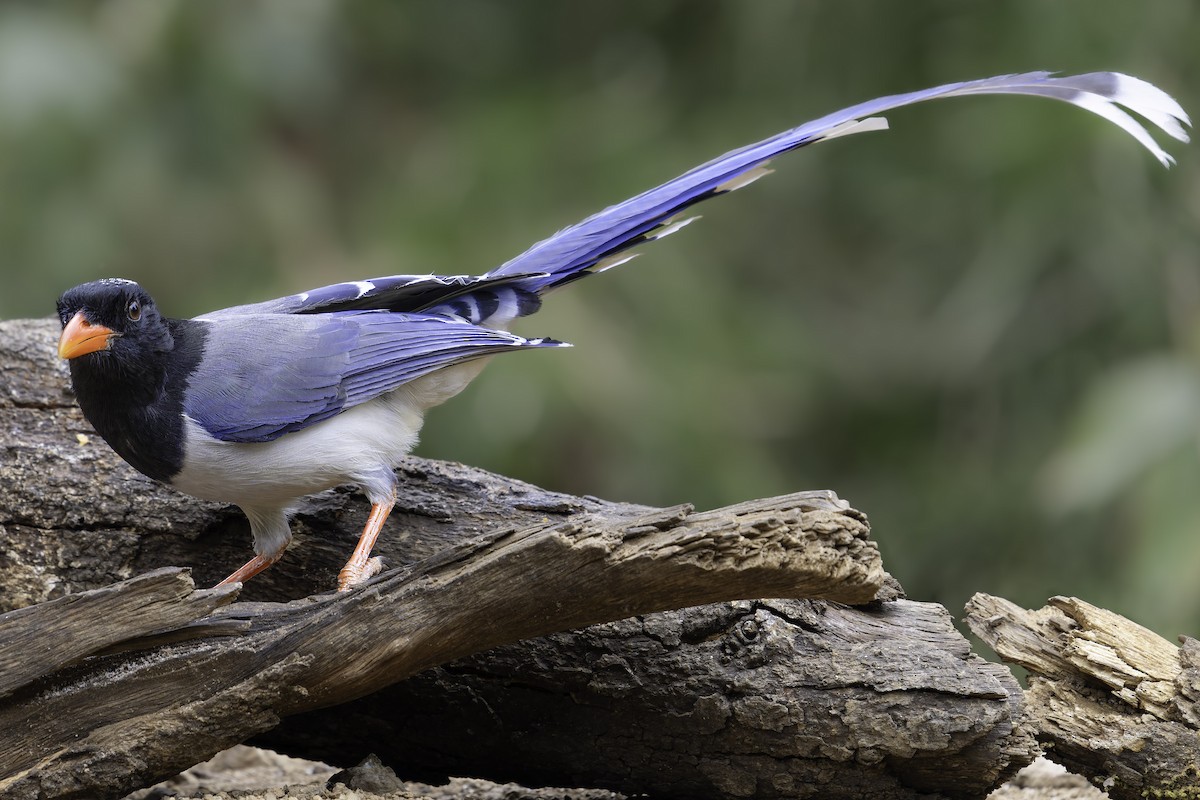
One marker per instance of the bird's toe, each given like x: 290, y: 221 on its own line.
x: 353, y: 575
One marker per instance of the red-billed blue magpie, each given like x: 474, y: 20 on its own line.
x: 262, y: 404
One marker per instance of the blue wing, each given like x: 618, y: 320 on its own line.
x: 265, y: 375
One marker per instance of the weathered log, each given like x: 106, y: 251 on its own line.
x: 490, y: 560
x: 114, y: 723
x: 1110, y: 699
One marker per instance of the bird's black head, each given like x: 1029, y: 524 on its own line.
x: 97, y: 316
x: 111, y: 326
x: 129, y: 367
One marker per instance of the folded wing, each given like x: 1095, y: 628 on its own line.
x: 255, y: 386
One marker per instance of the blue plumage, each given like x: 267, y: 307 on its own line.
x: 600, y: 240
x: 261, y: 404
x: 254, y: 387
x: 351, y: 357
x: 361, y: 356
x: 391, y: 293
x: 617, y: 228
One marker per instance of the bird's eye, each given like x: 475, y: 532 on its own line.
x: 134, y: 310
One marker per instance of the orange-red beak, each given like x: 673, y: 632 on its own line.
x: 81, y: 337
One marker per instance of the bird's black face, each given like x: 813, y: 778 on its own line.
x: 121, y: 354
x: 110, y: 322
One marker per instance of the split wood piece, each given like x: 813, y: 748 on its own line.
x: 43, y: 639
x: 1110, y: 699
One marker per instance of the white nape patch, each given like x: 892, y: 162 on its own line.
x: 363, y: 287
x: 615, y: 260
x: 117, y: 282
x: 745, y: 179
x: 671, y: 226
x: 856, y: 126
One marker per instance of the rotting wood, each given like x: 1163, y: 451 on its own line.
x: 1110, y: 699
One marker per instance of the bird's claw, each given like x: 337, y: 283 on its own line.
x: 353, y: 575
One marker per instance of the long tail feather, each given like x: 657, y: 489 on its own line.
x: 600, y: 241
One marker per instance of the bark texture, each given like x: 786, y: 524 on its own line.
x: 765, y: 698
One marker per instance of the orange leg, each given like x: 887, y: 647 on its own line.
x: 361, y: 566
x: 251, y: 568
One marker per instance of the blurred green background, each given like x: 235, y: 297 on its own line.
x: 982, y: 328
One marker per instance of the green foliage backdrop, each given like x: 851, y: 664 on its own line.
x: 982, y: 327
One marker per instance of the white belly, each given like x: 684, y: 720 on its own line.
x: 359, y: 446
x: 352, y: 447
